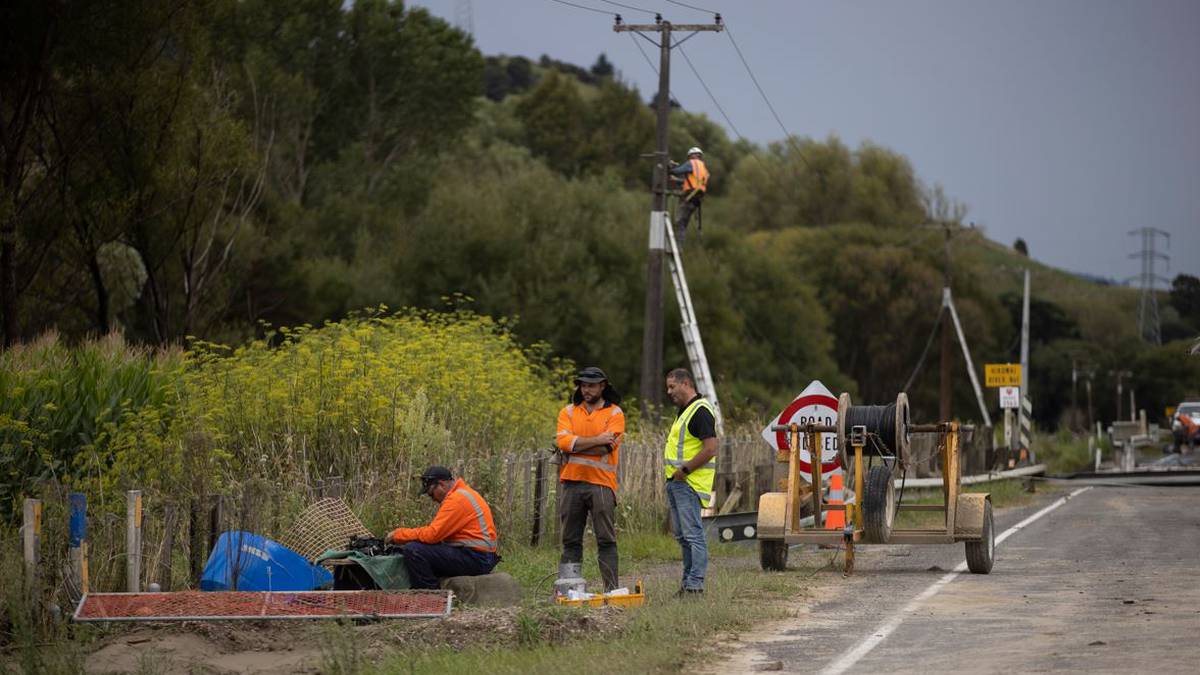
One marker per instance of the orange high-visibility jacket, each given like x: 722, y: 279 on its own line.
x: 575, y: 421
x: 698, y: 178
x: 463, y: 519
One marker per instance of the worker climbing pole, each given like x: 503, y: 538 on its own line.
x: 652, y: 334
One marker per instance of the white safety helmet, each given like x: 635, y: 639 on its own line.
x: 695, y: 151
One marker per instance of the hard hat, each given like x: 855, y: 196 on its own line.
x: 695, y: 151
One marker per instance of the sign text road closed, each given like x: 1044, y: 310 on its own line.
x: 1002, y: 374
x: 816, y: 404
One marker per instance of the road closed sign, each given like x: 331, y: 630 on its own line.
x: 816, y: 404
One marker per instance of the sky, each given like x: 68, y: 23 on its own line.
x: 1067, y: 123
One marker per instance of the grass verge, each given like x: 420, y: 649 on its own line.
x: 665, y: 635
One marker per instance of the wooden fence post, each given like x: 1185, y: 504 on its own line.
x: 164, y: 559
x: 195, y: 540
x: 133, y: 541
x: 32, y: 530
x: 539, y: 492
x: 215, y: 519
x: 78, y: 540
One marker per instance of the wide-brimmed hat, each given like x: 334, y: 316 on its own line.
x: 591, y: 375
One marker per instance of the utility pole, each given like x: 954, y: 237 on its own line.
x: 945, y: 390
x: 1074, y: 395
x: 652, y: 331
x: 1120, y: 375
x: 1148, y: 320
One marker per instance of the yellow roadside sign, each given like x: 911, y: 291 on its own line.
x: 1002, y: 374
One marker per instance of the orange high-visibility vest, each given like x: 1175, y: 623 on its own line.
x: 575, y: 421
x: 698, y: 178
x: 463, y: 519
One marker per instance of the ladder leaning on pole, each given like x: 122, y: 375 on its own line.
x: 691, y: 330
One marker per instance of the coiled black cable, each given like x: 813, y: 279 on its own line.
x: 879, y: 420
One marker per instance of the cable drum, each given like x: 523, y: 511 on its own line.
x: 887, y: 424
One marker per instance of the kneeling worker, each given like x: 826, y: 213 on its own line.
x: 461, y: 540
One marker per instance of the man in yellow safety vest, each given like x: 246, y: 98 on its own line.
x: 690, y: 461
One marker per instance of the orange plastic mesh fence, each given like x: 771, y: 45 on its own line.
x: 327, y: 524
x: 219, y: 606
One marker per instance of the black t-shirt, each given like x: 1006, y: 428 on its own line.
x: 702, y: 425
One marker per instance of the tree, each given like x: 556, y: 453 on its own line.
x: 554, y: 117
x: 1185, y: 298
x: 602, y: 68
x: 1020, y: 247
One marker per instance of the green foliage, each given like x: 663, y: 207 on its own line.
x: 67, y: 413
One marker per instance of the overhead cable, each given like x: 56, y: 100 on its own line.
x: 590, y: 9
x: 698, y: 9
x: 715, y: 103
x: 636, y: 9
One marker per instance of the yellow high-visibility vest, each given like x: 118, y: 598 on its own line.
x: 682, y: 446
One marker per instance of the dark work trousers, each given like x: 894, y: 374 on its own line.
x: 578, y: 500
x: 428, y: 563
x: 686, y: 208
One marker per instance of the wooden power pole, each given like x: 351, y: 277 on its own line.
x: 652, y: 332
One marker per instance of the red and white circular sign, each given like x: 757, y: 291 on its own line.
x: 815, y: 404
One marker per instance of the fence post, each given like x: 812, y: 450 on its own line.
x: 164, y: 560
x: 539, y: 492
x: 195, y: 540
x: 133, y: 541
x: 32, y: 529
x: 78, y: 540
x: 215, y: 517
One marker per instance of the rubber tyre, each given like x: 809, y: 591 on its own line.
x: 879, y: 505
x: 772, y: 554
x: 982, y: 554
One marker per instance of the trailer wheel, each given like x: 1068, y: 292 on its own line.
x: 773, y: 554
x: 981, y: 554
x: 879, y: 505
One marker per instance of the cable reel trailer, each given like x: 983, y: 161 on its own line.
x: 873, y: 448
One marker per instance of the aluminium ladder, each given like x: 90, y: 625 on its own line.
x: 690, y: 329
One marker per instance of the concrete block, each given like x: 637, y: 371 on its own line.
x: 489, y: 590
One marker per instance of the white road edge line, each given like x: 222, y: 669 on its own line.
x: 851, y: 657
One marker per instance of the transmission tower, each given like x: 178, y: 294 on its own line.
x: 1148, y: 321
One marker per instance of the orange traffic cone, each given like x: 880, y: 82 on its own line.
x: 836, y: 520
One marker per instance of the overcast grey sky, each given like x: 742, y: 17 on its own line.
x: 1065, y: 122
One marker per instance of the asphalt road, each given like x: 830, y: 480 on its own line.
x: 1108, y: 581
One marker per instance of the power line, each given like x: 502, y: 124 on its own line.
x: 636, y: 9
x: 755, y: 81
x: 698, y: 9
x: 590, y: 9
x: 650, y: 63
x: 709, y: 92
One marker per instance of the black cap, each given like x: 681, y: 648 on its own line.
x: 433, y: 475
x: 591, y: 375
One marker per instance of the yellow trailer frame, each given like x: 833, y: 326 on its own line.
x: 968, y: 517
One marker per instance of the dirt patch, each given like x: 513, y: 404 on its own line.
x: 278, y: 647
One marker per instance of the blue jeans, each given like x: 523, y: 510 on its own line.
x: 685, y: 516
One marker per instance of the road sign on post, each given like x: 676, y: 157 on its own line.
x: 815, y: 404
x: 1010, y: 397
x: 1002, y: 374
